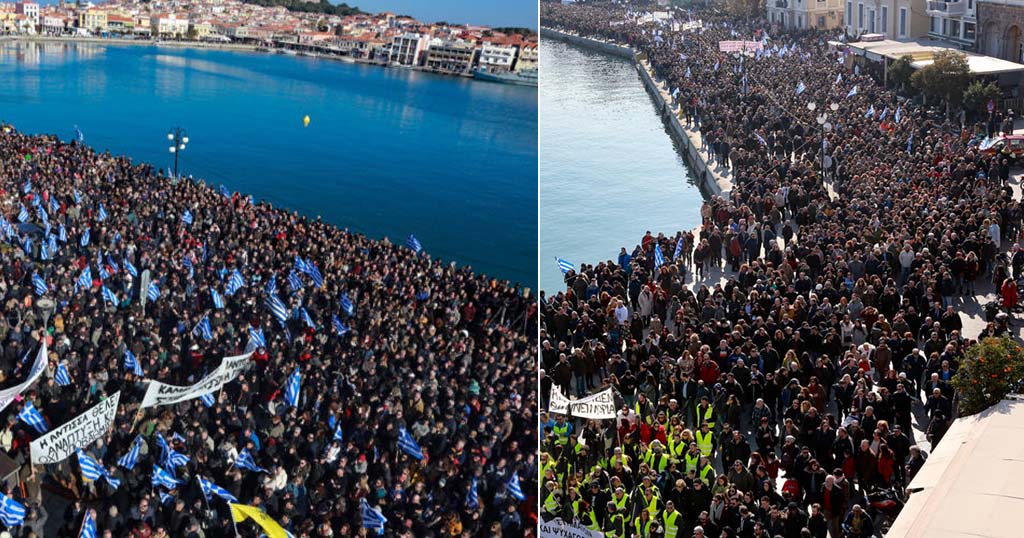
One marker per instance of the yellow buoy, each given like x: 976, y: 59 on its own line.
x: 305, y: 121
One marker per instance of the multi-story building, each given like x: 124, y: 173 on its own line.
x: 796, y: 14
x: 894, y: 19
x: 954, y: 21
x: 120, y: 23
x: 54, y: 25
x: 30, y: 10
x: 497, y: 56
x: 450, y: 56
x: 407, y: 48
x: 168, y: 25
x: 1001, y: 24
x: 527, y: 58
x: 201, y: 29
x: 93, y: 20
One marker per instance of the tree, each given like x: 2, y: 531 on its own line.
x: 991, y: 369
x: 192, y: 33
x: 977, y: 96
x: 900, y: 71
x: 946, y: 78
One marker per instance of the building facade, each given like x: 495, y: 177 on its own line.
x: 94, y: 20
x: 953, y: 21
x: 30, y: 10
x: 406, y: 49
x: 797, y: 14
x: 1000, y: 25
x: 894, y: 19
x: 168, y: 25
x: 497, y: 58
x: 450, y: 56
x: 527, y: 58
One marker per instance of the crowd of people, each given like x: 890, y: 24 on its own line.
x: 773, y: 365
x: 384, y: 338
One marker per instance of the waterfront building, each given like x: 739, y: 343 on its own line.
x: 893, y: 19
x: 119, y: 23
x: 168, y: 25
x: 201, y: 29
x: 93, y: 20
x: 496, y: 55
x: 802, y: 14
x: 527, y: 58
x: 1001, y: 23
x: 54, y: 24
x: 30, y: 10
x: 407, y: 48
x: 952, y: 21
x: 456, y: 57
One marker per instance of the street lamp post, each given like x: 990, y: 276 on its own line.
x: 826, y: 126
x: 178, y: 138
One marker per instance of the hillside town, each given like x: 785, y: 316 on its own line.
x: 385, y: 37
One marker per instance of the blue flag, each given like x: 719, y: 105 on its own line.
x: 565, y: 266
x: 291, y: 388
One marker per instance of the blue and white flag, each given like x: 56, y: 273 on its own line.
x: 166, y: 498
x: 153, y: 293
x: 207, y: 399
x: 291, y: 388
x: 346, y: 305
x: 472, y: 497
x: 113, y: 264
x: 209, y: 487
x: 39, y: 285
x: 28, y: 187
x: 78, y: 134
x: 235, y: 282
x: 271, y: 287
x: 29, y: 415
x: 314, y: 272
x: 339, y: 436
x: 839, y: 78
x: 23, y: 215
x: 852, y: 92
x: 101, y: 214
x: 63, y: 376
x: 130, y: 268
x: 12, y: 513
x: 885, y: 112
x: 88, y: 526
x: 514, y: 489
x: 218, y: 301
x: 132, y: 364
x: 800, y: 88
x: 62, y: 234
x: 225, y: 192
x: 414, y: 244
x: 295, y: 281
x: 679, y: 249
x: 203, y: 329
x: 27, y: 245
x: 306, y: 318
x: 372, y: 518
x: 92, y: 470
x: 129, y: 460
x: 109, y: 296
x: 339, y: 327
x: 186, y: 217
x: 257, y: 338
x: 408, y: 444
x: 565, y: 265
x: 245, y: 461
x: 85, y: 238
x: 104, y: 274
x: 78, y: 197
x: 165, y: 479
x: 277, y: 309
x: 85, y: 279
x: 899, y: 114
x: 871, y: 112
x: 659, y: 258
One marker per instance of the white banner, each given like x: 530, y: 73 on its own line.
x: 76, y: 433
x: 558, y: 403
x: 600, y: 405
x: 158, y: 393
x: 556, y: 528
x: 8, y: 395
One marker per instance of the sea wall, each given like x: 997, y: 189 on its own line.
x: 712, y: 180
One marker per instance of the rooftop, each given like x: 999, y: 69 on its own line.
x: 923, y: 51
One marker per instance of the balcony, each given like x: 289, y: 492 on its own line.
x: 938, y: 8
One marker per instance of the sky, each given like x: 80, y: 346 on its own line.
x: 485, y: 12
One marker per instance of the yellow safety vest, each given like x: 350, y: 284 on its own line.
x: 550, y: 504
x: 671, y: 528
x: 636, y: 408
x: 709, y: 415
x: 616, y: 529
x: 704, y: 474
x: 643, y: 529
x: 561, y: 434
x: 656, y: 463
x: 691, y: 461
x: 620, y: 504
x: 676, y: 448
x: 593, y: 522
x: 704, y: 443
x: 652, y: 506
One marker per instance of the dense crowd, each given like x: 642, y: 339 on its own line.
x: 766, y: 404
x: 390, y: 339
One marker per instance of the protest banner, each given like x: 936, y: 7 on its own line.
x: 158, y: 393
x: 557, y: 528
x: 558, y: 403
x: 76, y: 433
x: 600, y: 405
x: 8, y: 395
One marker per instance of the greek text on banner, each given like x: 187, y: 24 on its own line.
x: 76, y: 433
x: 556, y: 528
x: 158, y: 393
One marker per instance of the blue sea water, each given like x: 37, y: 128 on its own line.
x: 608, y: 168
x: 388, y: 152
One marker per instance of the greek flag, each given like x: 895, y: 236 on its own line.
x: 257, y: 338
x: 101, y: 215
x: 6, y: 228
x: 235, y: 283
x: 800, y: 88
x: 39, y: 285
x: 85, y: 279
x: 12, y: 513
x: 408, y: 444
x: 871, y: 112
x: 186, y: 217
x: 659, y: 258
x: 51, y: 244
x: 839, y: 78
x: 62, y: 234
x: 79, y: 135
x: 23, y: 215
x: 885, y: 112
x: 514, y: 489
x: 340, y: 327
x: 346, y: 305
x: 294, y: 281
x: 305, y: 317
x: 92, y: 470
x: 29, y: 415
x: 129, y: 460
x: 209, y: 487
x: 565, y: 266
x: 339, y: 436
x: 78, y: 197
x: 203, y: 329
x: 104, y: 274
x: 271, y: 287
x: 291, y: 388
x: 852, y: 92
x: 899, y: 114
x: 314, y: 273
x: 130, y: 268
x: 153, y: 293
x: 54, y: 204
x: 63, y: 377
x: 27, y: 245
x: 88, y: 526
x: 245, y: 461
x: 218, y: 301
x: 679, y: 249
x: 472, y: 498
x: 132, y: 364
x: 109, y: 295
x: 165, y: 479
x: 43, y: 216
x: 207, y: 399
x: 414, y: 244
x: 225, y: 192
x: 277, y: 309
x: 28, y: 186
x: 175, y: 459
x: 113, y: 264
x: 85, y: 238
x: 372, y: 518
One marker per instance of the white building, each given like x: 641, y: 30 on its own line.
x: 894, y: 19
x: 30, y: 10
x: 795, y: 14
x: 407, y: 48
x: 168, y: 25
x: 54, y: 25
x: 497, y: 57
x: 955, y: 22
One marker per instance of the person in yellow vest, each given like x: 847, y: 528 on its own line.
x: 588, y: 518
x: 705, y: 440
x: 655, y: 457
x: 552, y: 499
x: 618, y: 456
x: 672, y: 520
x: 692, y: 458
x: 644, y: 408
x: 642, y: 525
x: 614, y: 523
x: 677, y: 444
x: 705, y: 412
x: 562, y: 429
x: 571, y: 505
x: 650, y: 502
x: 620, y: 499
x: 707, y: 471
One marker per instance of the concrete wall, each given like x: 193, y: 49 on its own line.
x: 710, y: 181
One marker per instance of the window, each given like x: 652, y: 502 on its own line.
x: 821, y: 22
x: 871, y: 21
x: 935, y: 25
x: 954, y: 28
x: 970, y: 5
x: 970, y: 31
x: 849, y: 13
x: 860, y: 15
x: 945, y: 26
x: 903, y: 22
x: 885, y: 19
